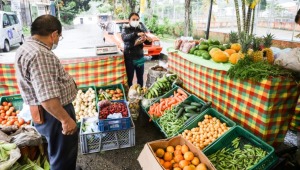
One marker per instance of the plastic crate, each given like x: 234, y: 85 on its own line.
x: 103, y: 141
x: 191, y: 98
x: 246, y: 138
x: 112, y: 87
x: 84, y: 89
x: 16, y: 101
x: 105, y: 125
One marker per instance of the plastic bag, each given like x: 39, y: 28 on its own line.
x: 14, y: 155
x: 182, y: 44
x: 26, y: 136
x: 289, y: 60
x: 154, y: 73
x: 177, y: 44
x: 134, y: 107
x: 25, y: 113
x: 187, y: 46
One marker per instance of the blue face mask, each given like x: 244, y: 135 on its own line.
x: 54, y: 46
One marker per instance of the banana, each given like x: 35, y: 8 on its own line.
x: 138, y: 89
x: 156, y: 92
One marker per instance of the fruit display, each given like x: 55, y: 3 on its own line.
x: 9, y: 116
x: 207, y: 132
x: 85, y: 104
x: 111, y: 108
x: 160, y: 86
x: 136, y: 92
x: 157, y: 109
x: 110, y: 94
x: 178, y: 157
x: 237, y: 156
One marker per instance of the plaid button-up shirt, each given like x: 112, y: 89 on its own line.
x: 41, y: 76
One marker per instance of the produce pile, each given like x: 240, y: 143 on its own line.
x: 161, y: 86
x: 5, y: 149
x: 157, y: 109
x: 191, y: 109
x: 237, y: 156
x: 106, y: 108
x: 110, y: 94
x: 9, y: 116
x: 136, y: 92
x: 178, y: 158
x: 85, y: 104
x: 207, y: 132
x: 158, y: 68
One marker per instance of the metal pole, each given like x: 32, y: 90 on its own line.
x: 209, y: 19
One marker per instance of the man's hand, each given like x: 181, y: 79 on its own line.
x: 69, y: 127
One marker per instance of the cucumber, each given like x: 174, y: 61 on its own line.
x: 180, y: 113
x: 186, y: 102
x: 190, y: 107
x: 189, y: 120
x: 190, y: 111
x: 196, y: 104
x: 177, y: 108
x: 184, y: 105
x: 205, y: 106
x: 189, y: 114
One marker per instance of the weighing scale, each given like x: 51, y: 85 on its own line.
x: 106, y: 49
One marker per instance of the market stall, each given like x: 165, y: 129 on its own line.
x: 264, y: 108
x: 82, y: 64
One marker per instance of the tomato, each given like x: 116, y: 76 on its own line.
x: 11, y: 122
x: 4, y: 103
x: 2, y: 115
x: 12, y: 108
x: 6, y: 108
x: 13, y: 113
x: 18, y: 111
x: 21, y: 121
x: 8, y: 113
x: 9, y: 104
x: 1, y: 107
x: 2, y: 111
x: 3, y: 122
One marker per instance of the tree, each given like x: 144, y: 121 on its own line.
x: 187, y: 18
x: 132, y: 5
x: 263, y: 5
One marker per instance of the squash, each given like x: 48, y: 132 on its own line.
x: 234, y: 58
x: 220, y: 57
x: 236, y: 47
x: 213, y: 50
x: 230, y: 51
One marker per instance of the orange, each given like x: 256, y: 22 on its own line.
x: 172, y: 161
x: 160, y: 153
x: 188, y: 156
x: 167, y: 165
x: 178, y: 147
x: 175, y: 165
x: 177, y: 152
x: 170, y: 149
x: 183, y: 163
x: 161, y: 161
x: 195, y: 161
x: 184, y: 149
x: 201, y: 166
x: 188, y: 168
x: 168, y: 156
x: 178, y: 158
x: 177, y: 168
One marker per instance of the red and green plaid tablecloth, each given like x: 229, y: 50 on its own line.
x: 98, y: 71
x: 265, y: 108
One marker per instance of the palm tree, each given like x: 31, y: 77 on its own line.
x: 236, y: 4
x: 244, y: 14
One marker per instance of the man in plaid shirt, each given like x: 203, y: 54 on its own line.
x: 43, y: 81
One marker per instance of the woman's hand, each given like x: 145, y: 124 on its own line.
x: 140, y: 34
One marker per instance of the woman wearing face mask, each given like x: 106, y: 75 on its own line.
x: 134, y: 38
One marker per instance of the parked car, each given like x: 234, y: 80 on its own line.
x: 113, y: 32
x: 11, y: 32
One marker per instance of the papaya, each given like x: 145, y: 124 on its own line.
x: 212, y: 46
x: 203, y: 47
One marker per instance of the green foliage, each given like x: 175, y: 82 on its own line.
x: 68, y: 12
x: 26, y: 31
x: 105, y: 8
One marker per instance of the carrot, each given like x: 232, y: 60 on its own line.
x: 181, y: 98
x: 180, y: 91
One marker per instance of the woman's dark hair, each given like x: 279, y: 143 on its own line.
x: 297, y: 16
x: 45, y: 25
x: 132, y: 14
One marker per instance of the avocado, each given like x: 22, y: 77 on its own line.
x: 206, y: 56
x: 216, y: 42
x: 192, y: 50
x: 203, y: 47
x: 227, y: 46
x: 210, y: 41
x: 204, y: 43
x: 195, y: 52
x: 222, y: 47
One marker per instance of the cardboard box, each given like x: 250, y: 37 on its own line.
x: 148, y: 160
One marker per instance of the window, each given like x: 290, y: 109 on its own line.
x: 5, y: 21
x: 12, y: 19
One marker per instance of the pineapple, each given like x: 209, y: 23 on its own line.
x: 257, y: 54
x: 267, y: 52
x: 246, y: 41
x: 233, y: 37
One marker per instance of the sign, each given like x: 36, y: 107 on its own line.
x: 15, y: 5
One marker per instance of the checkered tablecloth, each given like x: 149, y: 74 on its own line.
x: 265, y: 108
x: 97, y: 71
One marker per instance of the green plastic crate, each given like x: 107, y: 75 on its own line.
x: 16, y: 101
x: 200, y: 118
x: 113, y: 87
x: 84, y: 89
x: 246, y: 138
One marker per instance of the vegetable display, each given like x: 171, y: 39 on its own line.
x: 178, y: 158
x: 110, y: 94
x: 113, y: 108
x: 207, y: 131
x: 85, y: 104
x: 157, y: 109
x: 5, y: 149
x: 161, y: 86
x: 8, y: 116
x: 237, y: 156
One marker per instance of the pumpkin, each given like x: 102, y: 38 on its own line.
x: 220, y: 57
x: 214, y: 50
x: 234, y: 58
x: 230, y: 51
x: 236, y: 47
